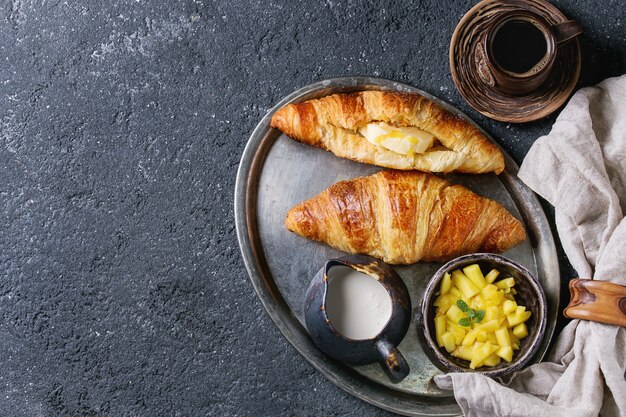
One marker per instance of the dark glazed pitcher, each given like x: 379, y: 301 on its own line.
x: 381, y: 348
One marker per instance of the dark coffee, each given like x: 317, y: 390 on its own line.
x: 518, y: 46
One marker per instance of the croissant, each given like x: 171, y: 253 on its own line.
x: 402, y: 217
x: 333, y: 123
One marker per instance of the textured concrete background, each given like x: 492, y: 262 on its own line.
x: 122, y: 291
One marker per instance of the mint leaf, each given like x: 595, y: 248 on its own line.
x: 471, y: 314
x: 462, y: 306
x: 480, y: 315
x: 465, y: 321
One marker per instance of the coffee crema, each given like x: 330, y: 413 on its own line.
x: 519, y: 46
x: 357, y: 305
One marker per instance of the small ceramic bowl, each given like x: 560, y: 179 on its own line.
x: 529, y: 294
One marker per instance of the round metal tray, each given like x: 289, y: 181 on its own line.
x: 276, y: 173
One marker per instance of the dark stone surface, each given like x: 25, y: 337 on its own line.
x: 122, y: 291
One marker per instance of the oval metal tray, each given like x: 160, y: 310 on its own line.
x: 276, y: 173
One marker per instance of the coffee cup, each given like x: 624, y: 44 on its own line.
x: 357, y: 310
x: 518, y: 49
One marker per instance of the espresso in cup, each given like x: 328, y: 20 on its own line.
x: 519, y: 46
x: 517, y: 51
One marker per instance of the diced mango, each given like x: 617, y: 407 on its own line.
x: 440, y: 300
x: 445, y: 284
x: 463, y: 352
x: 469, y: 338
x: 448, y: 341
x: 456, y: 327
x: 464, y: 284
x: 476, y: 348
x: 521, y: 331
x: 505, y: 283
x: 509, y: 306
x: 474, y: 273
x: 480, y: 352
x: 440, y: 329
x: 492, y: 313
x: 502, y: 335
x: 444, y: 302
x: 490, y: 326
x: 455, y: 291
x: 478, y: 345
x: 495, y: 323
x: 489, y: 291
x: 441, y: 311
x: 492, y: 360
x: 454, y: 313
x: 506, y: 353
x: 517, y: 318
x: 477, y: 302
x: 456, y: 330
x: 497, y: 299
x: 481, y: 336
x: 491, y: 348
x: 491, y: 276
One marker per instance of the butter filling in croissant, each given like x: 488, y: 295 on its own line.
x: 404, y: 140
x: 341, y: 123
x: 402, y: 217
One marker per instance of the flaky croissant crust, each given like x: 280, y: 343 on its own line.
x: 332, y: 122
x: 402, y: 217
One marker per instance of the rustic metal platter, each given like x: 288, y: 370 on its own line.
x: 275, y: 173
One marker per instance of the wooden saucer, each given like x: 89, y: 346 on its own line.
x: 494, y: 104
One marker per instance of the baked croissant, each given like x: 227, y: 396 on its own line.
x: 402, y: 217
x: 335, y: 123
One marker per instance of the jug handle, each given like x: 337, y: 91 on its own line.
x: 394, y: 363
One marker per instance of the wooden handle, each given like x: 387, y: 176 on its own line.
x: 597, y: 301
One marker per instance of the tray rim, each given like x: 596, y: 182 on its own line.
x: 246, y: 186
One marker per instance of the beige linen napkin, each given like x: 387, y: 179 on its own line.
x: 580, y: 168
